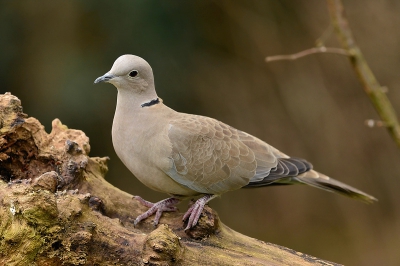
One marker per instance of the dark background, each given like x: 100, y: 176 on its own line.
x: 208, y: 59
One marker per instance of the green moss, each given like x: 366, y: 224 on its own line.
x: 28, y: 228
x: 20, y: 243
x: 40, y: 208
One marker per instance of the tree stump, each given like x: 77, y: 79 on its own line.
x: 56, y: 208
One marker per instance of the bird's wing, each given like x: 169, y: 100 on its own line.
x: 211, y: 157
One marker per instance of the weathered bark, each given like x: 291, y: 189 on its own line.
x: 57, y: 209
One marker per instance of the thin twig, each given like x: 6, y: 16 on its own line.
x: 310, y: 51
x: 374, y: 123
x: 325, y: 36
x: 374, y: 90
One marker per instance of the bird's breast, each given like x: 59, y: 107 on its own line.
x: 144, y: 148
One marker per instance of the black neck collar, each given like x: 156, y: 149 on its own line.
x: 152, y: 102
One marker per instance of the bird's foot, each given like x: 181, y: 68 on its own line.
x: 194, y: 212
x: 166, y: 205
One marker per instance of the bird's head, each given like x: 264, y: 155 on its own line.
x: 130, y: 72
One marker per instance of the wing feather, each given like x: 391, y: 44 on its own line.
x: 208, y: 156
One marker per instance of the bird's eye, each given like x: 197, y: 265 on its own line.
x: 133, y: 73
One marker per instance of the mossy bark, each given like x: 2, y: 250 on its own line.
x: 56, y: 208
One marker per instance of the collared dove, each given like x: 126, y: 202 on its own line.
x: 187, y: 155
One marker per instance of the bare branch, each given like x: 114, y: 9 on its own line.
x: 374, y: 123
x: 310, y: 51
x: 374, y: 90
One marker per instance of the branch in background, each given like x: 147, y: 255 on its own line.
x: 374, y: 123
x: 310, y: 51
x: 374, y: 90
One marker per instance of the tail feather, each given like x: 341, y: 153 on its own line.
x: 294, y: 170
x: 318, y: 180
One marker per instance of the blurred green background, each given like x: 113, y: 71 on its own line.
x: 208, y: 59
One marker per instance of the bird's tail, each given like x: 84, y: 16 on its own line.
x: 318, y: 180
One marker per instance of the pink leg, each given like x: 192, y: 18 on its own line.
x: 166, y: 205
x: 194, y: 212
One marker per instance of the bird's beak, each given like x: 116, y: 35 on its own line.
x: 105, y: 78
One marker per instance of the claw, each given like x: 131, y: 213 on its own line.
x: 166, y: 205
x: 194, y: 212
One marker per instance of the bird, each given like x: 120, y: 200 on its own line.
x: 186, y: 155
